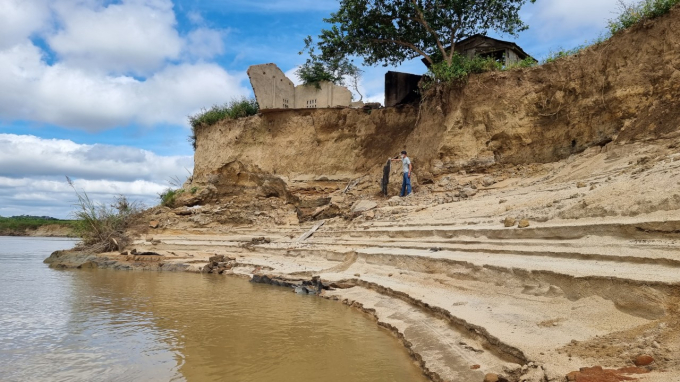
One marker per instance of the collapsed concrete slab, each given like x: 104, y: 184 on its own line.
x: 273, y: 90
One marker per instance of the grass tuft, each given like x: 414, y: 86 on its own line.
x: 234, y: 109
x: 526, y: 63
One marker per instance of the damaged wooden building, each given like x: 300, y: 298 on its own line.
x: 402, y: 88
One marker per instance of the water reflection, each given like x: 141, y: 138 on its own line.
x: 131, y: 326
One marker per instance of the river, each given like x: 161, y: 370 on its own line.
x: 105, y: 325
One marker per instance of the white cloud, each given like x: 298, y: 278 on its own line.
x: 205, y: 43
x: 19, y: 19
x: 97, y: 47
x: 54, y: 197
x: 32, y: 173
x: 27, y: 155
x: 196, y: 18
x: 136, y: 36
x: 67, y: 96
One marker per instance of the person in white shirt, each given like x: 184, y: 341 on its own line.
x: 407, y: 167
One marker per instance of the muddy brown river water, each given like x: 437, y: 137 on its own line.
x: 103, y: 325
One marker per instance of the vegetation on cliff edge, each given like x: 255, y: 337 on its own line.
x: 633, y: 13
x: 629, y: 14
x: 169, y: 196
x: 236, y: 108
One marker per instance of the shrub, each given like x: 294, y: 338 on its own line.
x: 168, y: 197
x: 461, y: 67
x: 236, y: 108
x: 632, y: 13
x: 103, y: 228
x: 314, y: 73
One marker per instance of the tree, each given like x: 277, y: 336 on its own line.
x: 392, y: 31
x: 331, y: 65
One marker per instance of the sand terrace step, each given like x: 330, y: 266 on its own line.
x: 616, y: 251
x: 653, y: 265
x: 535, y: 324
x: 649, y: 274
x: 643, y: 273
x: 643, y: 230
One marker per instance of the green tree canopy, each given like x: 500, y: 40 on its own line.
x: 389, y: 32
x: 330, y: 65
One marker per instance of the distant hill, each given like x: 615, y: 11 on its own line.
x: 28, y: 225
x: 29, y: 217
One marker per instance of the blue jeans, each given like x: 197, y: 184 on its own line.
x: 406, y: 185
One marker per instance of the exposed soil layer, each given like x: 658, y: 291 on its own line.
x: 624, y: 90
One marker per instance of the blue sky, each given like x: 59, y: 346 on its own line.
x: 100, y: 90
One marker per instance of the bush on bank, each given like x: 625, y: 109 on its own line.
x: 236, y: 108
x: 101, y: 227
x: 462, y: 66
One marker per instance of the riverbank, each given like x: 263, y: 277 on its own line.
x: 591, y: 281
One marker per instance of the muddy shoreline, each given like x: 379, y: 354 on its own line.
x: 70, y: 259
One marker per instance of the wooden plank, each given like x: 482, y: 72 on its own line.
x: 309, y: 233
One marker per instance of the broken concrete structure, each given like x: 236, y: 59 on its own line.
x: 273, y: 90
